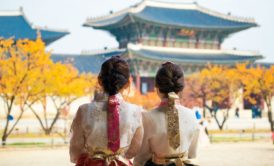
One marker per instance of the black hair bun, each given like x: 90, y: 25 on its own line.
x: 169, y: 78
x: 114, y: 75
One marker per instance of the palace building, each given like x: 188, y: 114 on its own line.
x: 149, y: 33
x: 187, y: 34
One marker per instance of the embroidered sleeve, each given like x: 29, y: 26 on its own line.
x: 77, y: 141
x: 145, y: 153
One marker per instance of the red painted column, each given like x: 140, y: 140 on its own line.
x: 138, y: 82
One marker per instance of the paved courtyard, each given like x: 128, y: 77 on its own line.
x: 221, y: 154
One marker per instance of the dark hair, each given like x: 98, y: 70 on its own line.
x: 114, y: 75
x: 169, y: 78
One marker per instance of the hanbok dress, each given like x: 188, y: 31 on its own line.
x: 106, y: 132
x: 170, y: 138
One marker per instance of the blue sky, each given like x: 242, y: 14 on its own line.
x: 71, y: 14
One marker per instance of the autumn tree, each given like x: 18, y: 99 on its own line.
x: 259, y: 81
x: 223, y: 93
x: 20, y: 62
x: 215, y: 84
x: 29, y: 77
x: 61, y: 84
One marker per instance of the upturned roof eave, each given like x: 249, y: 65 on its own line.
x: 134, y: 10
x: 249, y: 55
x: 197, y: 61
x: 135, y: 18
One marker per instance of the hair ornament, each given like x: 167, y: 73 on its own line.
x: 173, y: 95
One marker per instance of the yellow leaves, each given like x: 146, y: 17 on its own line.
x: 32, y: 47
x: 241, y: 67
x: 27, y: 70
x: 4, y: 47
x: 212, y: 83
x: 63, y: 80
x: 256, y: 80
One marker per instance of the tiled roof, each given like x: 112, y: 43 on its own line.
x: 172, y: 14
x: 13, y: 24
x: 88, y: 62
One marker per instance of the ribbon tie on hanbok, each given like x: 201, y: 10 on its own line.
x: 113, y: 131
x: 173, y: 128
x: 180, y: 159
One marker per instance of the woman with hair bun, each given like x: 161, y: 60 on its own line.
x: 171, y: 130
x: 108, y: 131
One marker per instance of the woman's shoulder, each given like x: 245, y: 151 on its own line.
x: 132, y: 107
x: 86, y: 107
x: 83, y: 107
x: 154, y: 111
x: 132, y: 114
x: 188, y: 115
x: 153, y: 115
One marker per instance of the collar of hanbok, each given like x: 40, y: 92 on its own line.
x: 104, y: 97
x: 164, y: 101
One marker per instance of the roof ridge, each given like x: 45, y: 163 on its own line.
x: 174, y: 5
x: 118, y: 13
x: 131, y: 9
x: 11, y: 12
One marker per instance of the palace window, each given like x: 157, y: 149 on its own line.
x: 144, y: 87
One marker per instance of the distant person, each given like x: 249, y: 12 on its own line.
x: 254, y: 111
x: 171, y: 130
x: 203, y: 136
x: 108, y: 131
x: 197, y: 114
x: 237, y: 115
x: 259, y: 112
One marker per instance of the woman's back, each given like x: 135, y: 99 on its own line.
x: 91, y: 124
x: 171, y: 130
x: 155, y: 122
x: 95, y: 126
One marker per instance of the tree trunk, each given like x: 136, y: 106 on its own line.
x: 5, y: 133
x: 16, y: 122
x: 221, y: 126
x: 217, y: 121
x: 4, y: 136
x: 47, y: 131
x: 204, y: 107
x: 269, y: 114
x: 4, y: 139
x: 54, y: 121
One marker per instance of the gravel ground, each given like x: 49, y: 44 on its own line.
x: 219, y: 154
